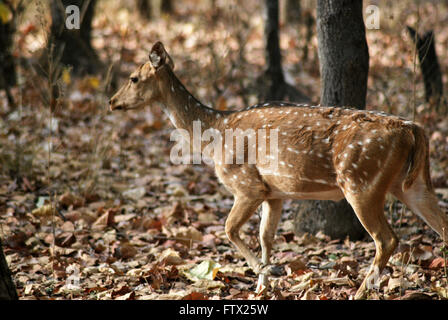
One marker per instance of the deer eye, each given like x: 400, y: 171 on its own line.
x: 134, y: 79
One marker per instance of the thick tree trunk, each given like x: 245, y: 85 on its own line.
x: 72, y: 45
x: 429, y: 65
x: 272, y: 84
x: 7, y: 287
x: 344, y: 66
x: 343, y: 53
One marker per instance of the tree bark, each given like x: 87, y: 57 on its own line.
x: 344, y: 66
x: 144, y: 9
x: 343, y: 53
x: 8, y: 75
x: 7, y: 287
x: 71, y: 45
x: 7, y: 69
x: 167, y: 6
x: 291, y: 11
x: 153, y: 8
x: 272, y: 84
x: 429, y: 65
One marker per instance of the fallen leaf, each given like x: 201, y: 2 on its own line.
x: 135, y: 194
x: 127, y: 296
x: 121, y: 290
x: 437, y: 263
x: 207, y: 269
x: 170, y: 257
x: 44, y: 211
x: 397, y: 283
x: 186, y: 235
x: 441, y: 291
x: 152, y: 223
x: 68, y: 199
x: 295, y: 265
x: 125, y: 251
x: 195, y: 296
x: 105, y: 220
x: 414, y: 296
x: 65, y: 239
x: 175, y: 213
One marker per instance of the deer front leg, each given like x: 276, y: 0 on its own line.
x: 241, y: 211
x: 272, y: 210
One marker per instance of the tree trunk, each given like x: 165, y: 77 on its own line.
x: 344, y: 66
x: 144, y: 9
x: 309, y: 24
x: 154, y: 8
x: 291, y: 11
x: 8, y: 74
x: 272, y: 84
x: 7, y: 287
x: 167, y: 6
x: 7, y: 66
x: 429, y: 65
x: 343, y: 53
x: 73, y: 46
x: 273, y: 54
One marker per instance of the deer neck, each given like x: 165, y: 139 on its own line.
x: 182, y: 107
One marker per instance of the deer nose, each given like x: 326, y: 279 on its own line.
x: 111, y: 101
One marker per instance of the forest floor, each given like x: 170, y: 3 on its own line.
x: 92, y: 208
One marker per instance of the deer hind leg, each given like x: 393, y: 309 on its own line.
x: 423, y: 202
x: 242, y: 210
x: 370, y: 212
x: 271, y: 213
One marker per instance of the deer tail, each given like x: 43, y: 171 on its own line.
x: 418, y: 159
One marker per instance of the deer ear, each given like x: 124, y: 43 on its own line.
x: 158, y: 56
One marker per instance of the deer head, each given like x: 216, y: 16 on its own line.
x: 142, y: 88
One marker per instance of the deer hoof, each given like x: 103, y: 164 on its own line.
x: 262, y: 285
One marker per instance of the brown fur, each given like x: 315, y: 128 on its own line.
x: 324, y: 153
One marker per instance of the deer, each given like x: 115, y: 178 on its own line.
x: 323, y: 153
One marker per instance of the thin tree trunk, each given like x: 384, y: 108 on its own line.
x: 154, y: 8
x: 7, y: 287
x: 309, y: 24
x: 273, y: 54
x: 144, y: 9
x: 7, y: 66
x: 272, y: 84
x: 344, y: 66
x: 429, y: 65
x: 167, y: 6
x: 291, y: 11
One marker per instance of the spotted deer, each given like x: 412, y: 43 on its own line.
x: 323, y: 153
